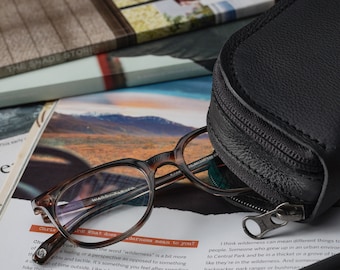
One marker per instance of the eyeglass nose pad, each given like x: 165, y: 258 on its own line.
x: 44, y: 216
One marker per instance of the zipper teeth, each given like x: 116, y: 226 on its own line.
x: 284, y: 152
x: 281, y: 150
x: 248, y: 205
x: 249, y: 128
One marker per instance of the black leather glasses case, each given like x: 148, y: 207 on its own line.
x: 274, y: 117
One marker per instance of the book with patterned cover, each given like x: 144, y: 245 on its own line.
x: 36, y: 34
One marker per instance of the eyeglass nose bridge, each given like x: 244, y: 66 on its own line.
x: 161, y: 159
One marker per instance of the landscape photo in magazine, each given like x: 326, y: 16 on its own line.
x: 139, y: 122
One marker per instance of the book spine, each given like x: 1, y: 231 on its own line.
x: 94, y: 74
x: 124, y: 33
x: 46, y: 61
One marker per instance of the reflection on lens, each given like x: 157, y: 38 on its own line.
x: 103, y: 205
x: 195, y: 150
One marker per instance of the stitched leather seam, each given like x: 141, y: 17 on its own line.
x: 253, y: 31
x: 313, y: 179
x: 256, y: 173
x: 222, y: 107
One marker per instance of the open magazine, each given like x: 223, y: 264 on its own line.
x: 188, y: 229
x: 173, y: 240
x: 21, y: 127
x: 137, y: 122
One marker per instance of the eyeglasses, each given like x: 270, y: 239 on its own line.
x: 115, y: 199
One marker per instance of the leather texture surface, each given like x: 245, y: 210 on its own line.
x: 331, y: 263
x: 285, y: 68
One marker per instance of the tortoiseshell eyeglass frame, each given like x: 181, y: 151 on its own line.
x: 45, y: 204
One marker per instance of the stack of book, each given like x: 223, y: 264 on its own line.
x: 108, y: 44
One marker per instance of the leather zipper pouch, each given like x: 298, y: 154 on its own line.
x: 274, y: 117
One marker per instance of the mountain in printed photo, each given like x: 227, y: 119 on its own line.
x: 115, y: 124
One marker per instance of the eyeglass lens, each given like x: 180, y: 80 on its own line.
x: 105, y: 204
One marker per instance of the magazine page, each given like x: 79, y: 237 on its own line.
x: 173, y: 240
x: 21, y: 129
x: 187, y: 229
x: 15, y: 124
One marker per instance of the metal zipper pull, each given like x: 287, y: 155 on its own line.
x: 274, y: 219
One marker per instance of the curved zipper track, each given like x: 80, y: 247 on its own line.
x: 287, y: 154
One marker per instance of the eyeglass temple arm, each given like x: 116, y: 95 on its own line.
x: 160, y: 182
x: 197, y: 167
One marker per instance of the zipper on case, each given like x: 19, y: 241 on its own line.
x: 269, y: 220
x: 285, y: 149
x: 234, y: 129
